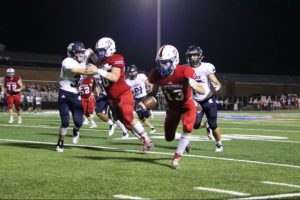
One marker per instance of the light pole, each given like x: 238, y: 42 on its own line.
x: 158, y: 23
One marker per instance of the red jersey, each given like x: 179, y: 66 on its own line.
x: 86, y: 87
x: 175, y: 87
x: 115, y: 89
x: 11, y: 84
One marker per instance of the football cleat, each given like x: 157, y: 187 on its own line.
x: 11, y: 120
x: 59, y: 149
x: 93, y: 124
x: 153, y: 130
x: 75, y: 138
x: 219, y: 148
x: 112, y: 129
x: 175, y: 163
x: 19, y: 120
x: 148, y: 144
x: 125, y: 136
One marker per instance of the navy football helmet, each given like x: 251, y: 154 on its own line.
x: 194, y: 55
x: 75, y: 49
x: 132, y: 72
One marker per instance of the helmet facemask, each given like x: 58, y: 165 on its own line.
x: 10, y: 72
x: 167, y: 58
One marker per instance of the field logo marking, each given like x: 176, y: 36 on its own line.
x: 221, y: 191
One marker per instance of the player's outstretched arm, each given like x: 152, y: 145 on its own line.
x: 196, y: 86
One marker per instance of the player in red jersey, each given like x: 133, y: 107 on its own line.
x: 121, y: 101
x: 88, y: 99
x: 176, y: 82
x: 12, y: 86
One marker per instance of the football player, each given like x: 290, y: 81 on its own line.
x: 13, y: 86
x: 138, y: 83
x: 88, y: 99
x: 205, y: 74
x: 176, y: 82
x: 103, y: 110
x: 119, y: 93
x: 73, y: 67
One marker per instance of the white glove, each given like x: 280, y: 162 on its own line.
x: 192, y: 83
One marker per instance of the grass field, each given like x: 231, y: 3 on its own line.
x: 261, y: 160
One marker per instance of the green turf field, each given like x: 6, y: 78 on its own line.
x: 261, y: 159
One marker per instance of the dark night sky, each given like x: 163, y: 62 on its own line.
x: 237, y: 36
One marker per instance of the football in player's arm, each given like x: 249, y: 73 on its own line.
x: 176, y: 82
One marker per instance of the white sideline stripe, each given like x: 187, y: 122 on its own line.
x: 222, y: 191
x: 276, y: 196
x: 281, y: 184
x: 122, y: 196
x: 161, y: 153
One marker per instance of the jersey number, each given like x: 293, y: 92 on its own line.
x: 177, y: 95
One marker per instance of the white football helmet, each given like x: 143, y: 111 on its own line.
x: 105, y: 47
x: 10, y: 72
x: 167, y: 58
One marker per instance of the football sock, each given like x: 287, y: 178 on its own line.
x: 183, y: 142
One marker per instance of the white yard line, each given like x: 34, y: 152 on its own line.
x: 276, y: 196
x: 162, y: 153
x: 122, y: 196
x: 221, y: 191
x: 281, y: 184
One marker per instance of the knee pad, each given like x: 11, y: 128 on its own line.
x: 212, y: 124
x: 63, y: 130
x: 64, y: 121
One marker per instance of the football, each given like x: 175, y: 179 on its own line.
x: 149, y: 102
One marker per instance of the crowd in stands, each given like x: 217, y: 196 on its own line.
x: 48, y: 91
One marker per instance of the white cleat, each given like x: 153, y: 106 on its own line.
x: 175, y: 163
x: 11, y: 120
x: 219, y: 148
x: 153, y: 130
x: 75, y: 139
x: 19, y: 120
x: 125, y: 136
x: 94, y: 125
x: 112, y: 129
x: 86, y: 122
x: 59, y: 150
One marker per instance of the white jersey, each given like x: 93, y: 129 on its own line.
x: 38, y: 100
x: 98, y: 80
x: 138, y: 85
x: 202, y: 73
x: 69, y: 81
